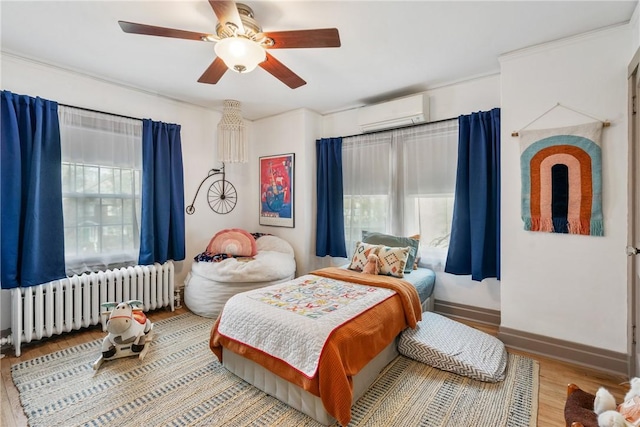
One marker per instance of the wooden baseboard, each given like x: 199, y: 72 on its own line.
x: 579, y: 354
x: 567, y: 351
x: 468, y: 312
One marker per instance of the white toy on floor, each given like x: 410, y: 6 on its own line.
x: 129, y: 331
x: 627, y: 414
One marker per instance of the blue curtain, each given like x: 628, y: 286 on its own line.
x: 31, y: 192
x: 474, y: 247
x: 162, y: 224
x: 330, y: 216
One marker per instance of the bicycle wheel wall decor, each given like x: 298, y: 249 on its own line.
x: 222, y: 195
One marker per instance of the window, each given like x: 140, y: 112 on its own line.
x: 402, y: 182
x: 101, y: 173
x: 366, y: 185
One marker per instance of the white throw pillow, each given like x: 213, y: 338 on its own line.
x: 393, y: 260
x: 360, y: 255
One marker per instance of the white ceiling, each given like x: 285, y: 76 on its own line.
x: 389, y: 48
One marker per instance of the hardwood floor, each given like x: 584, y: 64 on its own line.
x: 554, y: 376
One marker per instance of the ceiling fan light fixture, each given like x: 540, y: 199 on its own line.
x: 240, y: 54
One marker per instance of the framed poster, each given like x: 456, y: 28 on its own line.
x: 276, y: 190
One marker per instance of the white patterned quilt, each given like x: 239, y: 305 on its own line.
x: 293, y: 321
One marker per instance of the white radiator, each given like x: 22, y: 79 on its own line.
x: 72, y: 303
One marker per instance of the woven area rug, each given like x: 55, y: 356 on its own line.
x: 181, y: 383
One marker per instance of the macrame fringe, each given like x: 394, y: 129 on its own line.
x: 574, y: 226
x: 547, y: 225
x: 539, y: 224
x: 579, y: 226
x: 597, y: 227
x: 560, y: 225
x: 535, y: 224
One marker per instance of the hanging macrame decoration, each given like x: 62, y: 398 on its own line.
x: 232, y: 135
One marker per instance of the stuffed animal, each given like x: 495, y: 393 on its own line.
x: 373, y: 265
x: 627, y: 414
x: 128, y: 331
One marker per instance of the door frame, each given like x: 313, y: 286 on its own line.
x: 633, y: 226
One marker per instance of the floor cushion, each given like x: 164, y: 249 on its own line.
x: 452, y: 346
x: 210, y: 284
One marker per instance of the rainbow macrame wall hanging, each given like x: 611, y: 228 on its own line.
x: 562, y: 179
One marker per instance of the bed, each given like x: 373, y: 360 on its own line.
x: 215, y: 275
x: 351, y: 357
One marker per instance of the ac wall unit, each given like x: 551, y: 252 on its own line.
x: 395, y: 113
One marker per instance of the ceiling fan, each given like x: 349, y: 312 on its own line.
x: 241, y: 45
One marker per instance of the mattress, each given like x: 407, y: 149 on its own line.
x: 424, y: 280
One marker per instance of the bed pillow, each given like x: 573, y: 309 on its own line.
x: 233, y: 241
x: 395, y: 242
x: 393, y: 260
x: 360, y: 255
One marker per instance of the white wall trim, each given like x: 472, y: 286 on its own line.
x: 49, y: 65
x: 559, y: 43
x: 297, y: 111
x: 443, y: 85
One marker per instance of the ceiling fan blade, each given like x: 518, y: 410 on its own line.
x: 227, y: 12
x: 324, y: 37
x: 150, y: 30
x: 281, y: 72
x: 215, y: 71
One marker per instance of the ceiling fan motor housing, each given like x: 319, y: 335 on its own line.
x: 252, y: 29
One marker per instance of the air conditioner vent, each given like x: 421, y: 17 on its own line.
x: 399, y: 112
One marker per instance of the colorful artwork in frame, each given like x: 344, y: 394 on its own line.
x: 276, y: 190
x: 562, y: 179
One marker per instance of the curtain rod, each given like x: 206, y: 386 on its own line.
x: 401, y: 127
x: 98, y: 111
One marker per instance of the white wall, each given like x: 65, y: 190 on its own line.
x: 568, y: 287
x: 198, y: 132
x: 481, y: 94
x: 635, y: 28
x: 291, y: 132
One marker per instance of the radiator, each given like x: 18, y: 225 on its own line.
x: 75, y: 302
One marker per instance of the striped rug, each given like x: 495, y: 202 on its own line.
x: 181, y: 383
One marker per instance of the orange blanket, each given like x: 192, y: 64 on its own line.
x: 350, y: 347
